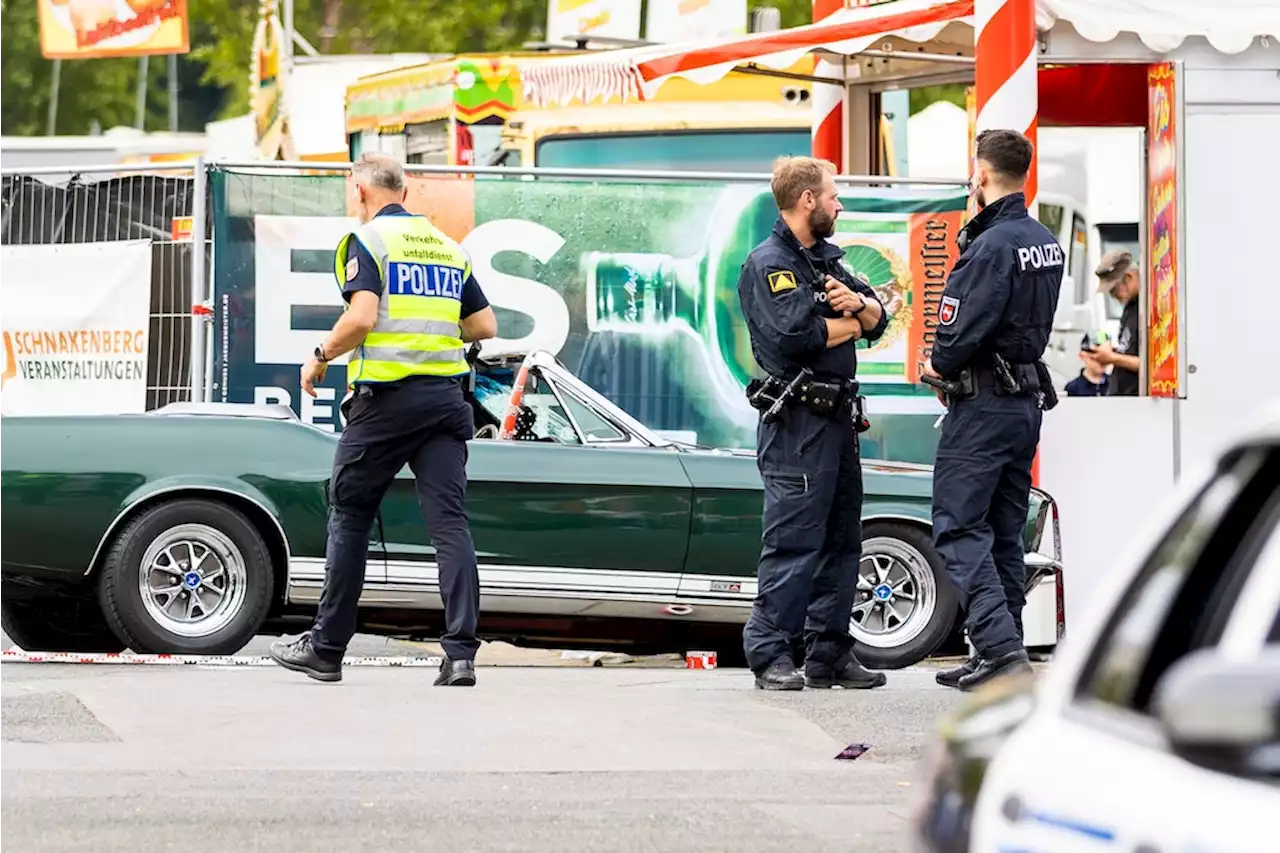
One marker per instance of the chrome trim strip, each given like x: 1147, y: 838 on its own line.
x: 893, y: 516
x: 288, y: 557
x: 545, y: 603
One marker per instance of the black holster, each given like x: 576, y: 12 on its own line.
x: 1048, y: 394
x: 825, y: 399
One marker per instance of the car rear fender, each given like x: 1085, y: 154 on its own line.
x: 255, y: 505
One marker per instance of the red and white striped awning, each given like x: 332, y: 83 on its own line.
x: 636, y: 73
x: 1230, y: 26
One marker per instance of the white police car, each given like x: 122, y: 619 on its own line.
x: 1157, y: 727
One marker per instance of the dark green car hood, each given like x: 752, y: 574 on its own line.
x: 879, y: 477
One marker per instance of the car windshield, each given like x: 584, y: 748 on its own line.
x: 543, y: 418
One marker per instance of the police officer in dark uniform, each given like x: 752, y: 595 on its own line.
x: 804, y: 312
x: 412, y: 302
x: 994, y: 319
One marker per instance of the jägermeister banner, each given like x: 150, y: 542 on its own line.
x: 632, y: 285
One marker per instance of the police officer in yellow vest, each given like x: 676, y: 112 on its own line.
x: 412, y: 305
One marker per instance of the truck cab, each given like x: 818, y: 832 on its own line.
x: 704, y: 136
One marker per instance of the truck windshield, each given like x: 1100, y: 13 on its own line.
x: 707, y: 151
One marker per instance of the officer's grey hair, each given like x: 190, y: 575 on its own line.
x: 379, y: 171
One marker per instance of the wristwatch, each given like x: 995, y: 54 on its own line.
x: 861, y: 308
x: 321, y: 357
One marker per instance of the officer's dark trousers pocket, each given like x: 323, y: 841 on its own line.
x: 980, y: 484
x: 800, y: 471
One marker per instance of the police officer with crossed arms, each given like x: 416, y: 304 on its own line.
x: 994, y: 319
x: 805, y: 312
x: 411, y: 304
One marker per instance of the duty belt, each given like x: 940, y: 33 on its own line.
x: 825, y: 399
x: 1004, y: 379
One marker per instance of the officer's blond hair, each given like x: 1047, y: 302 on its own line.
x: 379, y: 171
x: 793, y: 175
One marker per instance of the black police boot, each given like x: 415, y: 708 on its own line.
x: 457, y: 673
x: 780, y: 675
x: 1012, y: 663
x: 301, y: 656
x: 951, y: 677
x: 850, y: 675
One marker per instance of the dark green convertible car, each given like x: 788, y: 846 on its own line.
x: 192, y: 528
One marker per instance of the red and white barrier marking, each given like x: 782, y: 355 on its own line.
x: 700, y: 660
x: 16, y: 655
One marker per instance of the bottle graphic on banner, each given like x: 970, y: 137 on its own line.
x: 656, y: 294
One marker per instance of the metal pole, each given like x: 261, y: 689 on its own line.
x: 173, y: 93
x: 313, y: 167
x: 54, y: 85
x: 288, y: 36
x: 199, y: 249
x: 140, y: 120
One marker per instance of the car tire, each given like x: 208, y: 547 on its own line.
x: 57, y: 624
x: 905, y: 606
x: 208, y: 579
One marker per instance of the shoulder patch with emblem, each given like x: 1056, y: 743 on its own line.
x: 781, y: 280
x: 353, y: 267
x: 947, y: 310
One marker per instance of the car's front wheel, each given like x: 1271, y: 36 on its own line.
x: 187, y: 576
x: 57, y: 623
x: 904, y: 607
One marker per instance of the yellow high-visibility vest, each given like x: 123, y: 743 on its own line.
x: 422, y: 272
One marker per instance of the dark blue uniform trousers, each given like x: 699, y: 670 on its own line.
x: 981, y: 484
x: 812, y: 539
x: 424, y: 423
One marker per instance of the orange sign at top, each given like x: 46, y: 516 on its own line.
x: 85, y: 29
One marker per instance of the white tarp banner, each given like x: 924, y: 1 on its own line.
x: 75, y: 319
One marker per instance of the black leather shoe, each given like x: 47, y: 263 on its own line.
x: 951, y: 677
x: 1013, y: 663
x: 301, y: 656
x: 780, y: 675
x: 851, y: 676
x: 457, y: 673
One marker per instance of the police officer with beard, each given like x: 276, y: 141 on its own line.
x: 804, y: 312
x: 994, y: 320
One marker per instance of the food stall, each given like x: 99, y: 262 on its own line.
x: 1203, y: 83
x: 453, y: 110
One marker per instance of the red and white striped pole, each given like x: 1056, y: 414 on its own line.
x: 828, y: 100
x: 1006, y: 85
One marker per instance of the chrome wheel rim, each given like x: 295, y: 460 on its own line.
x: 193, y: 580
x: 896, y: 594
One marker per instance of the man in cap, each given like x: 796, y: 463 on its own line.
x: 1118, y: 275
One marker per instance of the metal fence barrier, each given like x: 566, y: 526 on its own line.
x: 164, y: 203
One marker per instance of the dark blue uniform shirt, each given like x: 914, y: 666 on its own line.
x: 1083, y: 386
x: 366, y: 272
x: 1002, y: 291
x: 785, y: 305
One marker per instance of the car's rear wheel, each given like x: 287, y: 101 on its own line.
x: 49, y: 623
x: 188, y: 576
x: 904, y: 607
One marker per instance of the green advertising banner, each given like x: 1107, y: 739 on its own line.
x: 632, y: 285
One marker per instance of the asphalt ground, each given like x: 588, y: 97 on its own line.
x: 544, y: 754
